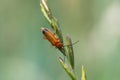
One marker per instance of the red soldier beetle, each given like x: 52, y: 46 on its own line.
x: 52, y: 38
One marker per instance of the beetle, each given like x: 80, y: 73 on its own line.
x: 52, y: 38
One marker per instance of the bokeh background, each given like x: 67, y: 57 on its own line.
x: 25, y: 55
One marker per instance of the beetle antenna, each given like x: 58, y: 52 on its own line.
x: 75, y: 42
x: 72, y: 43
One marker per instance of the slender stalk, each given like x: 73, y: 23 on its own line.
x: 66, y: 51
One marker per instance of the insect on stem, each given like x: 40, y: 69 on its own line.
x: 51, y: 37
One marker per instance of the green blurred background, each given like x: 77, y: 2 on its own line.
x: 25, y: 55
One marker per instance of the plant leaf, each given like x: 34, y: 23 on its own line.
x: 83, y: 73
x: 70, y: 51
x: 66, y: 68
x: 45, y: 9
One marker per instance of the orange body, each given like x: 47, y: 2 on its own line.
x: 51, y: 38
